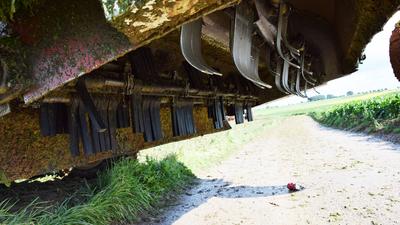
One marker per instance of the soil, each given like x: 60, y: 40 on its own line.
x: 347, y: 178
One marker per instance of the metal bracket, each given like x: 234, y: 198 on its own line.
x: 266, y: 28
x: 130, y: 84
x: 88, y: 103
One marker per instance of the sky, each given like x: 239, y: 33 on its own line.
x: 375, y: 72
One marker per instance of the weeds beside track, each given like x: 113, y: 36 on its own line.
x: 121, y: 193
x: 376, y: 115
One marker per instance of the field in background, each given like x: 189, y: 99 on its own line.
x: 374, y: 113
x: 378, y: 115
x: 317, y: 106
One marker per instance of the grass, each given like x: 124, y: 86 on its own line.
x: 121, y: 194
x: 375, y: 115
x: 204, y: 152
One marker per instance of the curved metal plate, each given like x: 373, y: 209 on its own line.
x: 191, y: 47
x: 245, y: 61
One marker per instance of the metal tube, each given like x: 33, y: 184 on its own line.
x: 279, y: 37
x: 95, y: 84
x: 304, y: 70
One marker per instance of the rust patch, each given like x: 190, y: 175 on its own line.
x: 66, y: 40
x: 395, y: 51
x: 154, y: 19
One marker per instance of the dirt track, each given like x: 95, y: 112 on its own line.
x: 348, y: 179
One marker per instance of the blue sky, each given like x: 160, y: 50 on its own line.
x: 375, y: 72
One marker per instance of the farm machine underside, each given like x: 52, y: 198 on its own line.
x: 84, y: 81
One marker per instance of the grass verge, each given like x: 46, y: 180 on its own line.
x: 121, y: 193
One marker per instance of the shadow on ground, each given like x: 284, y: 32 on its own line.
x: 203, y: 191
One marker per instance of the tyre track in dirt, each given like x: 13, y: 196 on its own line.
x: 348, y: 179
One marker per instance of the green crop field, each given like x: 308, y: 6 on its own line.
x: 377, y: 112
x: 317, y: 106
x: 374, y: 115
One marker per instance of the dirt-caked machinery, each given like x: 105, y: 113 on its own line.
x: 84, y: 81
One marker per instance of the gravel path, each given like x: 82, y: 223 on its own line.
x: 348, y: 179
